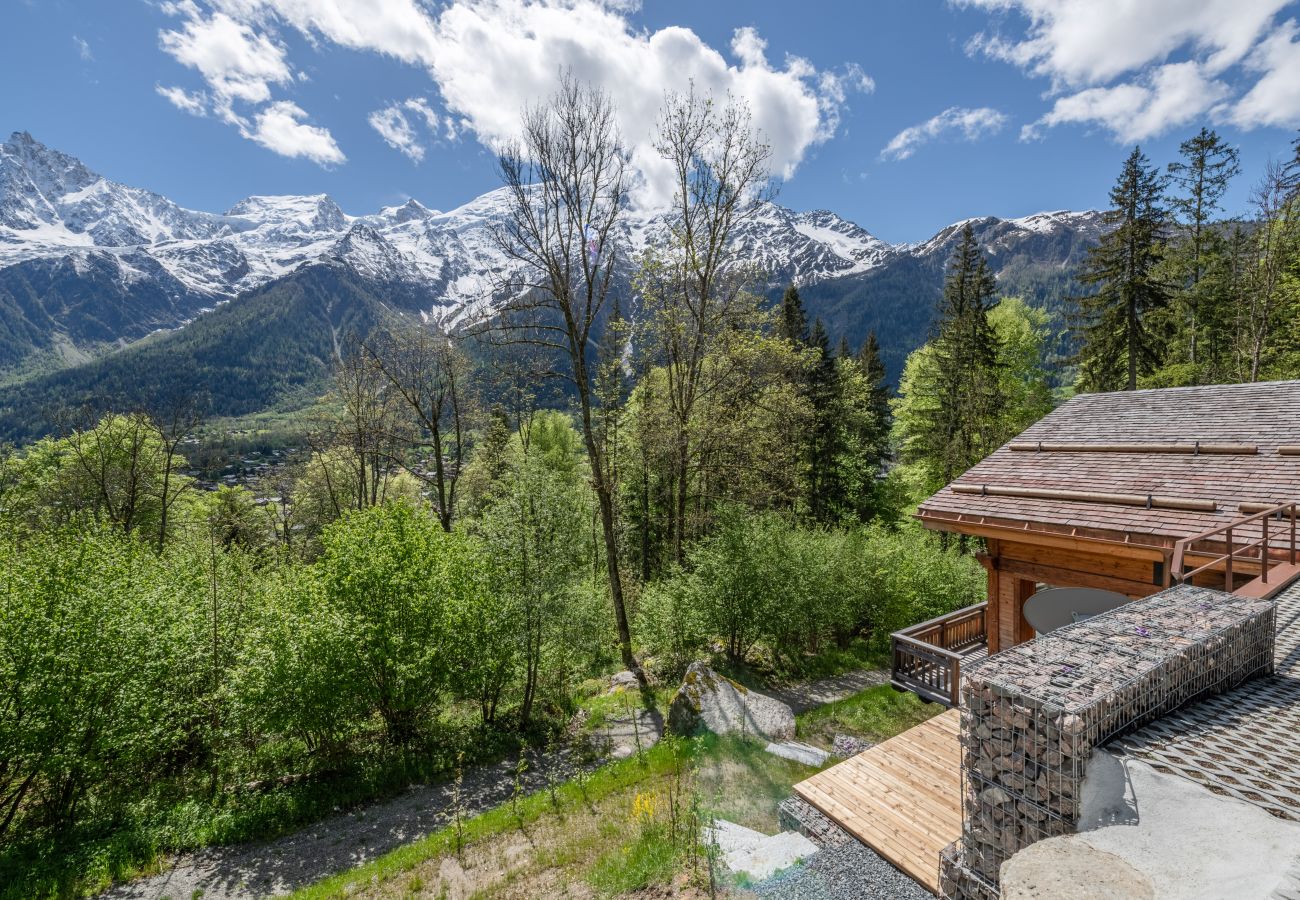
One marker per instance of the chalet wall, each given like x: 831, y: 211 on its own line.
x: 1015, y: 569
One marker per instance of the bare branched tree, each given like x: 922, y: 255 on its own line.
x: 174, y: 418
x: 365, y: 430
x: 431, y: 377
x: 566, y: 185
x: 1276, y: 241
x: 694, y: 286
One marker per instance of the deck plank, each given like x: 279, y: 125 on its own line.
x: 901, y: 797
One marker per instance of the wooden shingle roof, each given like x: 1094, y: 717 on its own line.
x: 1264, y: 415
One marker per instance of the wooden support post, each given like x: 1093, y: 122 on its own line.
x: 992, y: 615
x: 1025, y: 588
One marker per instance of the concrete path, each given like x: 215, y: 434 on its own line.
x: 1162, y: 837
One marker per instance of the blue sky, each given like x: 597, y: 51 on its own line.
x: 903, y: 115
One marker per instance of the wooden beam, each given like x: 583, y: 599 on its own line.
x: 1047, y: 539
x: 1025, y: 588
x: 1058, y: 577
x: 1139, y: 570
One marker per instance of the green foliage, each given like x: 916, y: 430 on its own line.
x: 1115, y: 324
x: 409, y: 599
x: 761, y: 584
x: 1021, y: 336
x: 951, y: 399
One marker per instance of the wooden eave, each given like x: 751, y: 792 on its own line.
x: 1138, y: 546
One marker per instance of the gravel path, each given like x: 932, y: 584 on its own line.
x: 850, y: 872
x: 340, y: 842
x: 346, y: 840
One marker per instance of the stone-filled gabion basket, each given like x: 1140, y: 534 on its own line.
x: 1033, y: 714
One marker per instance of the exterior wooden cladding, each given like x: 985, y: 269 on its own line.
x: 1016, y: 569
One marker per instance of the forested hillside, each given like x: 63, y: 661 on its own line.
x: 275, y: 345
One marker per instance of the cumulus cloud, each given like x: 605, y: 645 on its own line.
x: 1138, y: 69
x: 196, y: 104
x: 1167, y: 96
x: 1275, y: 97
x: 1085, y: 42
x: 235, y: 61
x: 395, y: 126
x: 280, y: 127
x: 83, y: 48
x: 489, y: 58
x: 968, y: 124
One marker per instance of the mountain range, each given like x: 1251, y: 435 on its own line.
x: 112, y: 292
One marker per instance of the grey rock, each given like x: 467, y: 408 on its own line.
x: 712, y: 701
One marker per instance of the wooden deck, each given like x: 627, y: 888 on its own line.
x: 902, y: 797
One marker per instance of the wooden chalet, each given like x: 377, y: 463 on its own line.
x: 1127, y: 492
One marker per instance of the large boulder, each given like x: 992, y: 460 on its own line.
x: 709, y: 700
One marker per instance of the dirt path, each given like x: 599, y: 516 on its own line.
x: 346, y: 840
x: 340, y: 842
x: 804, y: 696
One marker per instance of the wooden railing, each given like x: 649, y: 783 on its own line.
x: 1274, y: 533
x: 927, y: 657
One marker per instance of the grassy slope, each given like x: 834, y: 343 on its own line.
x: 560, y: 841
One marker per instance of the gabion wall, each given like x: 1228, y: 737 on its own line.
x: 1032, y: 715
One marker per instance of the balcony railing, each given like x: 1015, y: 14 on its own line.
x: 1250, y: 546
x: 928, y: 656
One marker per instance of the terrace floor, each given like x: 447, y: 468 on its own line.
x: 913, y: 781
x: 1244, y: 743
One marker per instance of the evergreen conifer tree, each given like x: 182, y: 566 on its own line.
x: 1200, y: 180
x: 1118, y: 342
x: 842, y: 351
x: 793, y: 322
x: 873, y: 367
x: 824, y: 433
x: 961, y: 389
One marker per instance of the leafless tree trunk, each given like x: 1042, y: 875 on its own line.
x: 566, y: 186
x: 1275, y: 241
x: 696, y: 294
x: 173, y: 421
x: 430, y: 375
x: 365, y: 428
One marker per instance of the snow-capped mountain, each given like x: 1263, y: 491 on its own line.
x: 128, y: 261
x: 53, y: 206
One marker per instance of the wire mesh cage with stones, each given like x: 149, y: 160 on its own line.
x: 1032, y: 715
x: 957, y: 881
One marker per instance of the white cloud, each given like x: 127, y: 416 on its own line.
x: 1165, y: 97
x: 968, y: 124
x: 1140, y: 67
x: 83, y: 48
x: 279, y: 127
x: 489, y: 58
x: 394, y: 125
x: 1088, y: 42
x: 397, y: 28
x: 238, y: 63
x: 421, y: 107
x: 195, y: 104
x: 241, y: 65
x: 1275, y: 97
